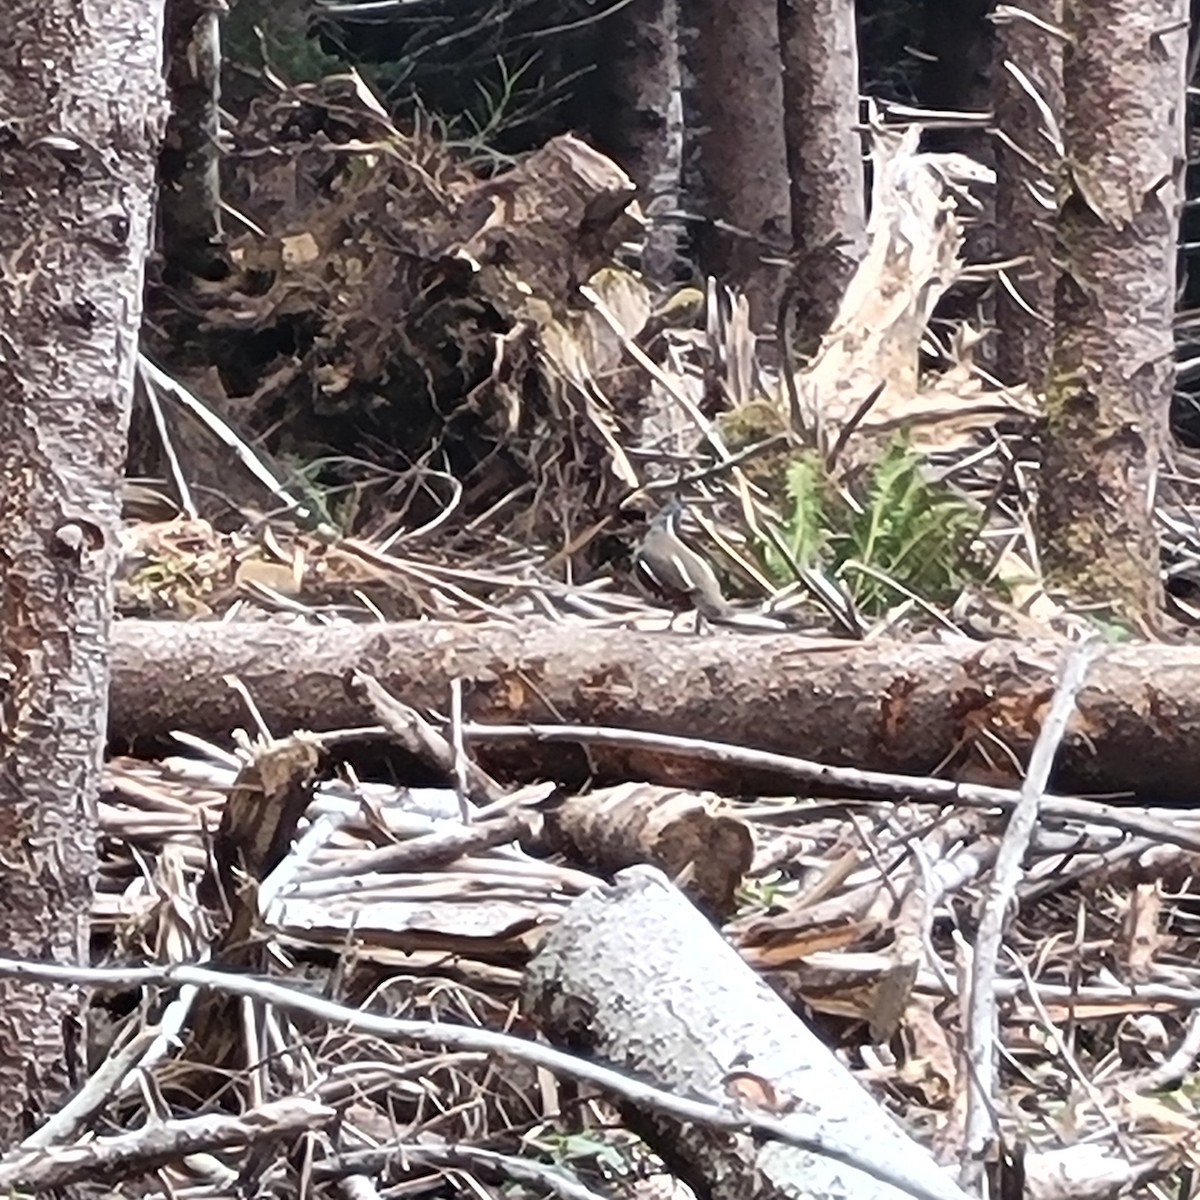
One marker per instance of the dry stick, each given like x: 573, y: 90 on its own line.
x: 879, y: 784
x: 40, y: 1171
x: 461, y: 763
x: 856, y: 419
x: 1122, y: 999
x: 791, y: 1130
x: 507, y: 1166
x: 1055, y: 1039
x: 315, y: 837
x: 69, y: 1121
x: 414, y: 734
x: 426, y: 850
x: 983, y: 1020
x: 708, y: 428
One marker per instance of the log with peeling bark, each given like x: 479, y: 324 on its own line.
x: 885, y: 706
x: 635, y: 975
x: 705, y: 851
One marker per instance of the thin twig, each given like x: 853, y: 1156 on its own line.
x: 509, y: 1167
x: 41, y: 1171
x: 792, y: 1130
x: 880, y: 785
x: 69, y: 1121
x: 983, y: 1019
x: 423, y: 742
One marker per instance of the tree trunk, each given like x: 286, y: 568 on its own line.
x: 824, y: 155
x: 885, y: 706
x: 733, y: 106
x: 1112, y: 370
x: 1028, y: 170
x: 189, y: 176
x: 639, y: 119
x: 84, y: 105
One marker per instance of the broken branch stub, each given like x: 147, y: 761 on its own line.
x: 706, y: 851
x: 915, y: 240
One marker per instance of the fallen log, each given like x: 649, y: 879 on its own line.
x: 636, y: 978
x: 886, y: 706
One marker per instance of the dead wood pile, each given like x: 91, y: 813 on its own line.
x: 389, y: 324
x: 427, y: 902
x: 352, y: 957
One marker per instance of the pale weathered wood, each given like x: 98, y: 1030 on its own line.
x: 634, y: 976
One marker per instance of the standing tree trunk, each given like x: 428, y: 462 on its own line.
x: 733, y: 115
x: 639, y: 120
x: 1113, y: 366
x: 824, y: 154
x: 957, y: 45
x: 83, y: 97
x: 189, y: 162
x: 1029, y: 161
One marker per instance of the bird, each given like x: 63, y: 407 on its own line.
x: 666, y: 566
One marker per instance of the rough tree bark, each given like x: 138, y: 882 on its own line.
x: 83, y: 99
x: 824, y: 155
x: 733, y: 109
x: 886, y: 706
x: 1029, y: 160
x: 1112, y: 368
x: 189, y: 175
x: 639, y: 120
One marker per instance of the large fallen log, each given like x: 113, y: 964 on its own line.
x: 881, y: 705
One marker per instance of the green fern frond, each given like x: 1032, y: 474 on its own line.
x: 904, y: 527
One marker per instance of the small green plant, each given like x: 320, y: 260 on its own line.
x: 903, y: 528
x: 508, y: 97
x: 762, y: 894
x: 1112, y: 627
x: 598, y: 1151
x: 808, y: 486
x: 328, y: 504
x: 502, y: 102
